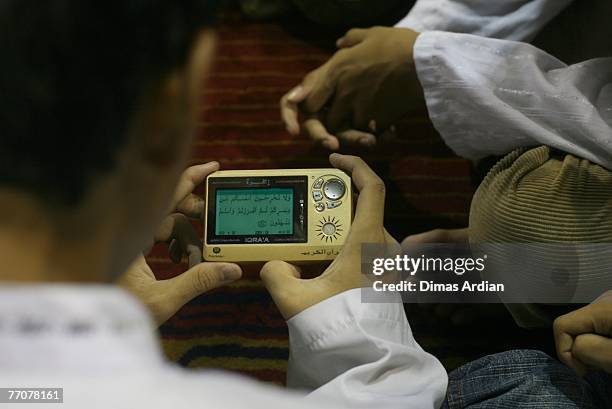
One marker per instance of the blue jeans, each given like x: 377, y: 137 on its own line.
x: 525, y: 379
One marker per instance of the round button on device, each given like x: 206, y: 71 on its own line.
x: 329, y: 229
x: 334, y: 189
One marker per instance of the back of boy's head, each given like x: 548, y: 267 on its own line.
x: 72, y: 74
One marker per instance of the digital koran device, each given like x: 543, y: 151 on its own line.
x: 283, y: 214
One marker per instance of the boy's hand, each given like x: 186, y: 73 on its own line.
x: 360, y: 91
x: 584, y: 337
x: 292, y: 294
x: 438, y: 236
x: 166, y: 297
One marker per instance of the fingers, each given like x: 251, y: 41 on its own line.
x: 370, y: 209
x: 175, y: 252
x: 182, y: 237
x: 564, y: 343
x: 194, y: 254
x: 192, y: 251
x: 192, y: 177
x: 313, y: 93
x: 315, y: 129
x: 605, y: 298
x: 366, y: 117
x: 201, y: 278
x: 281, y: 280
x: 289, y: 108
x: 438, y: 236
x: 355, y: 137
x: 594, y: 350
x: 165, y: 229
x: 275, y: 273
x: 352, y: 37
x: 320, y: 85
x: 387, y: 135
x: 578, y: 322
x: 339, y: 113
x: 593, y: 319
x: 192, y: 206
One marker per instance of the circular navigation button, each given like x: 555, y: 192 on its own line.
x: 334, y: 189
x: 329, y: 229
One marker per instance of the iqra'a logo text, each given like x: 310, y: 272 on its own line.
x: 257, y: 240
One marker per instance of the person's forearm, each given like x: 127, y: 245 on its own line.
x: 362, y: 355
x: 508, y: 19
x: 488, y: 97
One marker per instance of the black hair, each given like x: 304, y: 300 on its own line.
x: 72, y: 74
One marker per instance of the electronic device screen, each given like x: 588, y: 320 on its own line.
x: 276, y: 214
x: 254, y: 211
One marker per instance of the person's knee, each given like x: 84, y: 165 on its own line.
x: 518, y: 377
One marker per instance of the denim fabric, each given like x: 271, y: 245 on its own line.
x: 525, y: 379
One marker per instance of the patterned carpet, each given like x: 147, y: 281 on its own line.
x: 238, y: 327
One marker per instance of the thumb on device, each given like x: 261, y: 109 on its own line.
x: 199, y: 279
x: 282, y: 280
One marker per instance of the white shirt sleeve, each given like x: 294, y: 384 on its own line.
x: 506, y: 19
x: 488, y: 96
x: 354, y: 355
x: 362, y: 355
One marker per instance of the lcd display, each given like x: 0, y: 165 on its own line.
x: 254, y: 211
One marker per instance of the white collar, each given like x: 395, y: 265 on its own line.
x: 72, y: 327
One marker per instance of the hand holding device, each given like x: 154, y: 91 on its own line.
x: 293, y: 294
x: 164, y: 297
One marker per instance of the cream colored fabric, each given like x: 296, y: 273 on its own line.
x: 537, y: 196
